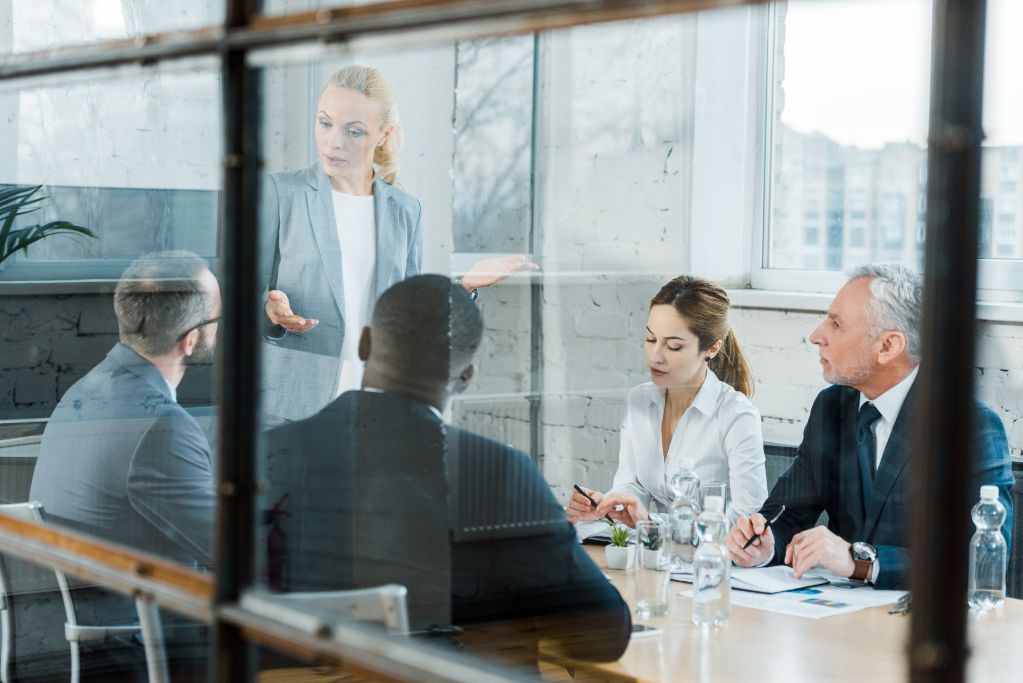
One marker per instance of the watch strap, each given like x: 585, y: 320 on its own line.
x: 861, y: 571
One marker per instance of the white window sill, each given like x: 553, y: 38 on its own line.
x: 773, y: 300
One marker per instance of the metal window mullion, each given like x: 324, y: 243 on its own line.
x: 944, y: 459
x: 240, y: 367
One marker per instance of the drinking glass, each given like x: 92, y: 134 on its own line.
x: 652, y: 577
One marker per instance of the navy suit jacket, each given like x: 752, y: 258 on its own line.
x: 825, y: 476
x: 381, y: 490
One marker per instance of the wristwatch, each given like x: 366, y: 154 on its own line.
x: 864, y: 555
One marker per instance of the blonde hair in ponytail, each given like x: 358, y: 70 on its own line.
x: 704, y: 307
x: 373, y: 83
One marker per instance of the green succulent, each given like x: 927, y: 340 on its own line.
x: 653, y: 542
x: 620, y: 537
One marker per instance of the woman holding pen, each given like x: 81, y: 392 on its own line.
x: 336, y: 235
x: 696, y: 406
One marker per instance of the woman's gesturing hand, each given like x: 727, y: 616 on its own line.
x: 490, y: 271
x: 632, y: 510
x: 278, y: 309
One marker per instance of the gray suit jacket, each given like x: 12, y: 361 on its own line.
x: 121, y: 460
x: 301, y: 256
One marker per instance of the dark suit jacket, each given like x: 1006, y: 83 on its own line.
x: 381, y: 490
x: 121, y: 460
x: 825, y: 476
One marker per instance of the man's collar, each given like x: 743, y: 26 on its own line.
x: 140, y: 366
x: 890, y: 402
x: 436, y: 412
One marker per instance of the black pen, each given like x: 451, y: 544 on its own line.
x: 607, y: 517
x: 766, y: 527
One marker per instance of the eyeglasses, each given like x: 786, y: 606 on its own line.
x: 196, y: 327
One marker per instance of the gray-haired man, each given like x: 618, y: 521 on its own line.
x: 120, y: 458
x: 854, y: 462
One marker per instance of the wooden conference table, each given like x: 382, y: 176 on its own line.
x: 765, y: 646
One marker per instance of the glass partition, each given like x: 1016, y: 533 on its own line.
x: 107, y: 419
x: 36, y: 26
x: 462, y: 250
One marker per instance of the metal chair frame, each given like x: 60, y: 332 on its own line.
x: 149, y: 625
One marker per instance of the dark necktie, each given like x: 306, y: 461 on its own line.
x: 869, y: 414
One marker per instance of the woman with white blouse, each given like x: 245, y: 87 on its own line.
x: 695, y: 408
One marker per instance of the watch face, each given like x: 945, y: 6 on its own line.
x: 864, y: 551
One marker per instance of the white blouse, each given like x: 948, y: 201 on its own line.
x: 357, y: 232
x: 720, y: 432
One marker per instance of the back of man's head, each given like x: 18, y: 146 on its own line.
x: 160, y: 296
x: 426, y: 328
x: 896, y: 304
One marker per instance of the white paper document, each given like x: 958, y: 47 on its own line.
x: 817, y: 602
x: 775, y: 579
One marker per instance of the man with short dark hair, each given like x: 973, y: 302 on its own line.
x: 120, y: 458
x: 381, y: 490
x: 855, y: 459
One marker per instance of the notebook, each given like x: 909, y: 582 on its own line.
x: 777, y: 579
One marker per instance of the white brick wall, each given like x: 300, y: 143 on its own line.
x: 589, y: 368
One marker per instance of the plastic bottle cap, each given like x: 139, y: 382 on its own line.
x: 714, y: 503
x: 687, y: 464
x: 989, y: 493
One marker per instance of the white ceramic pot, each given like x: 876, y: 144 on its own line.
x: 652, y: 558
x: 619, y: 558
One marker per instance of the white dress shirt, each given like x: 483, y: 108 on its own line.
x: 356, y: 229
x: 888, y: 404
x: 720, y: 432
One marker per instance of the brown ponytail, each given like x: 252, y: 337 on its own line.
x: 704, y: 307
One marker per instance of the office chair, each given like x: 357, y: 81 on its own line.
x: 1014, y: 576
x: 149, y: 625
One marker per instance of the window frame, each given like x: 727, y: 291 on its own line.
x: 998, y: 280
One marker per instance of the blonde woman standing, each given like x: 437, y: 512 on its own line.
x: 336, y: 235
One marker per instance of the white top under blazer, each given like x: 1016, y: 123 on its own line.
x: 720, y: 432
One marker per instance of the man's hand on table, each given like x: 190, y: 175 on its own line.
x: 819, y: 546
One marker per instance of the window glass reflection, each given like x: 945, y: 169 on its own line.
x: 37, y: 26
x: 110, y: 320
x: 849, y: 160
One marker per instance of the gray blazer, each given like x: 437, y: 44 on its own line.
x: 121, y: 460
x: 301, y: 256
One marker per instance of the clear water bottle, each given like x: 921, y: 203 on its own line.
x: 712, y: 566
x: 685, y: 507
x: 987, y: 552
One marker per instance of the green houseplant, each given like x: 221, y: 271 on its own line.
x: 653, y: 542
x: 19, y: 201
x: 621, y: 552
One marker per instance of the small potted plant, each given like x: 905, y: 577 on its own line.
x: 652, y: 546
x: 621, y: 553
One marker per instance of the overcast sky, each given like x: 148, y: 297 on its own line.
x: 858, y: 70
